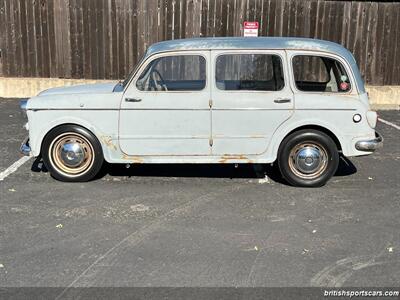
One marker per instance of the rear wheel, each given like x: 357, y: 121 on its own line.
x: 308, y: 158
x: 72, y: 153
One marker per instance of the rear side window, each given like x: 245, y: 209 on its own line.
x: 320, y: 74
x: 256, y: 72
x: 174, y: 73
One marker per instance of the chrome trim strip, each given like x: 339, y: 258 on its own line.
x: 187, y: 137
x: 203, y: 109
x: 323, y: 109
x: 116, y: 109
x: 127, y: 138
x: 41, y: 109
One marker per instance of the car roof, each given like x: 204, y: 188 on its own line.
x: 219, y: 43
x: 262, y: 43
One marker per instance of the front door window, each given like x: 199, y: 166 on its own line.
x: 174, y: 73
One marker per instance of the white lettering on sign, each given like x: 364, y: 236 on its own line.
x: 250, y: 29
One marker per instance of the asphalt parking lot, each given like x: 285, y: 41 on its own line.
x: 199, y: 225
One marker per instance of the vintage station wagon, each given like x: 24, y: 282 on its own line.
x: 299, y: 102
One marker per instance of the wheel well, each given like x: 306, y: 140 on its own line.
x: 322, y: 129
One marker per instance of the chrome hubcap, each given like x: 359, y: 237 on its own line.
x: 308, y: 160
x: 72, y: 154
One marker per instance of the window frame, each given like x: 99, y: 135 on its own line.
x: 243, y: 52
x: 151, y: 58
x: 338, y: 58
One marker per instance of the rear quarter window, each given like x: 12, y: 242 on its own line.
x: 313, y: 73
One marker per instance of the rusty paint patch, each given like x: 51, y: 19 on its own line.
x: 108, y: 142
x: 226, y: 158
x: 132, y: 158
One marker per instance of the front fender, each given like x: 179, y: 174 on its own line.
x: 105, y: 128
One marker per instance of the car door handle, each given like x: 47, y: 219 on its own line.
x: 282, y: 100
x: 133, y: 100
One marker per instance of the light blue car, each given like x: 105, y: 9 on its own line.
x: 299, y: 102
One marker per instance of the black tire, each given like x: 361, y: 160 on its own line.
x: 81, y: 159
x: 308, y: 158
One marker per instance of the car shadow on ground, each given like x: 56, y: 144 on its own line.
x: 244, y: 171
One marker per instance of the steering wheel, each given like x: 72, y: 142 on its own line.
x: 155, y: 83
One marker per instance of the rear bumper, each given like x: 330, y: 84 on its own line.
x: 370, y: 145
x: 25, y: 149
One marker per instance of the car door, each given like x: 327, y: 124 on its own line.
x: 251, y: 98
x: 165, y: 109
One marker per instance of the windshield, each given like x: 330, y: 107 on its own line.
x: 126, y: 81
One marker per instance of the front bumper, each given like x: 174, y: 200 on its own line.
x: 370, y: 145
x: 25, y: 149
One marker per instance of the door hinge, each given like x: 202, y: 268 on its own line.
x: 210, y: 103
x: 211, y: 141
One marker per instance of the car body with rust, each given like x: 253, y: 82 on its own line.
x: 295, y: 101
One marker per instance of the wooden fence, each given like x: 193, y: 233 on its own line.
x: 103, y: 39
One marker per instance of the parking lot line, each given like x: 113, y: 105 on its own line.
x: 14, y: 167
x: 389, y: 123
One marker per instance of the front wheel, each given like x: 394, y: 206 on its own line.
x: 72, y: 153
x: 308, y: 158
